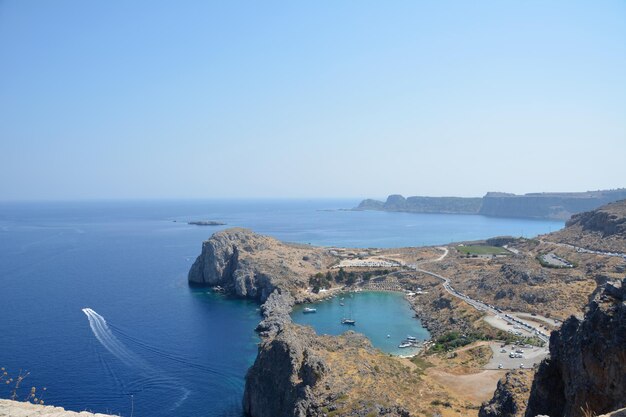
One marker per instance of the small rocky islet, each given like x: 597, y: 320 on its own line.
x: 206, y: 223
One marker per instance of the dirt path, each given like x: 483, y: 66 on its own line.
x: 475, y: 388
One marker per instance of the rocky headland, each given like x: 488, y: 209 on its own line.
x: 250, y: 265
x: 559, y: 206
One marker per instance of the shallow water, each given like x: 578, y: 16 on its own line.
x: 149, y: 341
x: 377, y: 314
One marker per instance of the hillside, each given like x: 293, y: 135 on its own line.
x: 603, y: 229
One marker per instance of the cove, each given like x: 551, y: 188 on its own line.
x: 377, y: 314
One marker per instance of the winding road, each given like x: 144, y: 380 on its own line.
x: 585, y: 250
x: 479, y: 305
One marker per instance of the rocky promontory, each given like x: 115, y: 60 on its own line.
x: 250, y: 265
x: 510, y: 397
x: 558, y: 206
x: 298, y: 373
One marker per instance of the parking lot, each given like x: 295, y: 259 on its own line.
x: 530, y: 356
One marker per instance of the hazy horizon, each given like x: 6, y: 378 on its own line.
x: 156, y: 100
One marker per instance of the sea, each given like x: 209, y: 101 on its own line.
x: 97, y: 313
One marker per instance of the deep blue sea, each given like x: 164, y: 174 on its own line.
x: 95, y: 302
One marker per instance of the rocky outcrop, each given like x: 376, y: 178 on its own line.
x: 281, y: 381
x: 586, y: 369
x: 371, y: 204
x: 521, y: 275
x: 298, y: 373
x: 608, y: 220
x: 276, y: 313
x: 441, y: 313
x: 250, y: 265
x: 603, y: 229
x: 510, y: 397
x: 24, y: 409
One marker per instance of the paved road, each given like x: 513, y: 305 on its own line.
x: 585, y: 250
x: 478, y: 305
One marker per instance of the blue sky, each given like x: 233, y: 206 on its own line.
x: 198, y: 99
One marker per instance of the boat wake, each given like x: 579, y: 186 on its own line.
x: 148, y: 376
x: 103, y: 333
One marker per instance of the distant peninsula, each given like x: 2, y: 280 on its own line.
x: 206, y: 223
x: 555, y: 206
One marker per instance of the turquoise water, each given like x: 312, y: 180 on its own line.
x: 151, y: 342
x: 377, y: 315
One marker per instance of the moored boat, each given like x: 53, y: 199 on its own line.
x: 309, y: 310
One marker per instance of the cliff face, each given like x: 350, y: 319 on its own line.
x: 298, y: 373
x: 587, y: 364
x: 419, y: 204
x: 289, y: 362
x: 546, y: 205
x: 535, y: 205
x: 253, y: 266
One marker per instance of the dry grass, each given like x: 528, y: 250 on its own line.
x: 14, y: 385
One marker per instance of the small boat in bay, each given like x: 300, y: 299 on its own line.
x: 405, y: 344
x: 309, y: 310
x: 348, y: 321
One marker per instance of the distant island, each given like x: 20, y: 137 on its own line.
x: 207, y: 223
x: 556, y: 206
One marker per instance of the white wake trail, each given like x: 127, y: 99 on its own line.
x: 104, y: 335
